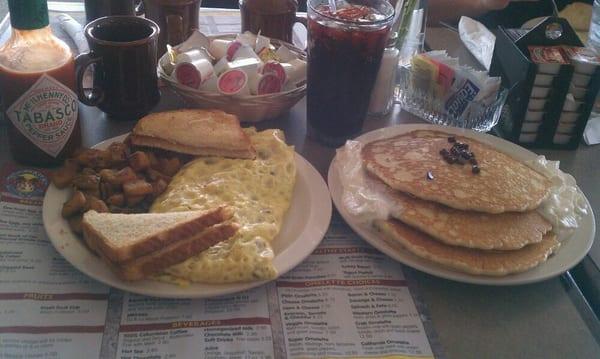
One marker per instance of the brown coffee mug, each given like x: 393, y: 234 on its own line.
x: 176, y: 19
x: 123, y: 52
x: 273, y: 18
x: 95, y: 9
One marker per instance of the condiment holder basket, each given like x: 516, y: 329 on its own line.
x: 480, y: 118
x: 247, y: 108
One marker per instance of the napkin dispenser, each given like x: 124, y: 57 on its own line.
x: 548, y: 105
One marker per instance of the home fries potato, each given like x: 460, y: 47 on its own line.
x: 120, y: 179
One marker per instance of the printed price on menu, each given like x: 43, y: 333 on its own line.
x: 233, y: 326
x: 345, y: 278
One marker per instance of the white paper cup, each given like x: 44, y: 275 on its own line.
x: 285, y: 54
x: 218, y: 48
x: 196, y: 40
x: 296, y: 72
x: 193, y: 68
x: 210, y: 85
x: 250, y: 66
x: 192, y: 55
x: 247, y: 38
x: 221, y: 66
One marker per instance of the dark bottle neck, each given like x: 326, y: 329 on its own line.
x: 28, y: 14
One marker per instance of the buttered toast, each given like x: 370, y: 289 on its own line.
x: 138, y: 245
x: 195, y: 132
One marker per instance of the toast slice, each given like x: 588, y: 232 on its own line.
x: 156, y: 262
x: 123, y: 237
x: 195, y: 132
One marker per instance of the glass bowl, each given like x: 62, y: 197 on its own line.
x: 480, y: 117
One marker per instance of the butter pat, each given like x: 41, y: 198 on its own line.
x: 565, y: 205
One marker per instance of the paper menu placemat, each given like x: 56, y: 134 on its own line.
x: 47, y: 308
x: 346, y: 300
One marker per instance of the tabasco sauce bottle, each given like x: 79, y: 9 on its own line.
x: 37, y: 87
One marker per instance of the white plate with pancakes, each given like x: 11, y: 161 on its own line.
x: 303, y: 228
x: 571, y: 251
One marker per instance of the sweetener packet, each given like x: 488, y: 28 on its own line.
x: 455, y: 86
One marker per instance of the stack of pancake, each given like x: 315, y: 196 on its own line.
x: 480, y: 220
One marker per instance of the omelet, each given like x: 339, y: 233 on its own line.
x: 259, y: 191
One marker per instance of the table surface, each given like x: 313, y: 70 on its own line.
x: 543, y: 320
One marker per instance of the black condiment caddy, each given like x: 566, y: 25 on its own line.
x: 532, y: 120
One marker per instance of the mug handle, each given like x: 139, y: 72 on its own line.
x: 139, y: 8
x: 304, y: 22
x: 82, y: 62
x: 174, y: 29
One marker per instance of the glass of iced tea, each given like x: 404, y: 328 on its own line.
x: 344, y: 52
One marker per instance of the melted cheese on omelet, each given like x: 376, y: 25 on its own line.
x: 258, y: 190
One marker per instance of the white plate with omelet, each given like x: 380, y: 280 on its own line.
x: 299, y: 230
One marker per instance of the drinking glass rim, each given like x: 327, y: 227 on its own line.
x: 353, y: 22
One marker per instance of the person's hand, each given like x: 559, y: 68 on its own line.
x: 489, y: 5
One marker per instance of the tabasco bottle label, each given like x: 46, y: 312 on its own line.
x: 46, y: 114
